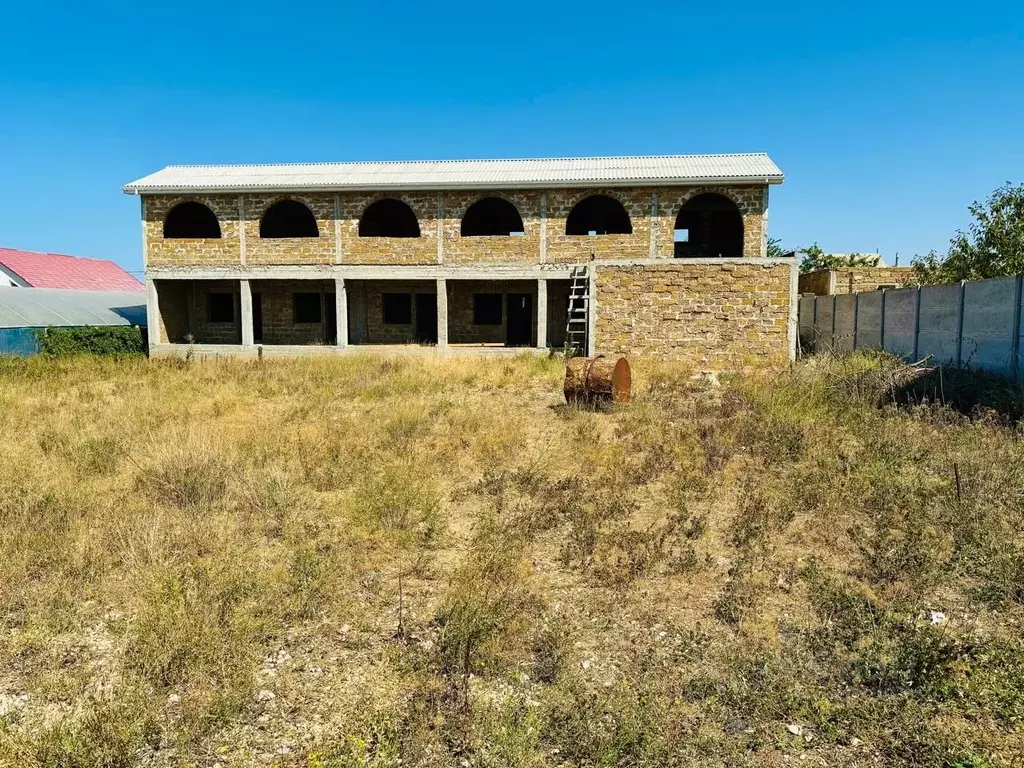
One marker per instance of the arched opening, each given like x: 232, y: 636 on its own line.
x: 598, y: 215
x: 709, y: 225
x: 288, y: 218
x: 492, y: 217
x: 191, y: 220
x: 389, y: 218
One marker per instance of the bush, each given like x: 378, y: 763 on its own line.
x: 92, y: 340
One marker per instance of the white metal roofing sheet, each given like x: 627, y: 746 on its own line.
x: 42, y: 307
x: 428, y: 174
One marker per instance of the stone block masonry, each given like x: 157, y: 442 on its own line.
x: 823, y: 282
x: 726, y: 316
x: 652, y: 215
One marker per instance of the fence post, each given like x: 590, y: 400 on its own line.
x: 960, y: 325
x: 856, y: 318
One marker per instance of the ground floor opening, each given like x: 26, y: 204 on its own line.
x: 509, y: 314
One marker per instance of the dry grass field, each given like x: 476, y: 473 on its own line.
x: 387, y: 562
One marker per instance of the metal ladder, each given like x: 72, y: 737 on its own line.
x: 578, y: 311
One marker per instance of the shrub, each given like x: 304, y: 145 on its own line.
x: 92, y: 340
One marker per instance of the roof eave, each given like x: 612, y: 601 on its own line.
x: 141, y: 189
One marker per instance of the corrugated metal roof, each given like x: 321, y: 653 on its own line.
x: 430, y: 174
x: 55, y: 270
x: 42, y: 307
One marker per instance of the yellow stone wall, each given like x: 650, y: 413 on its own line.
x: 823, y: 282
x: 192, y: 252
x: 749, y: 199
x: 714, y: 317
x: 523, y: 249
x: 339, y: 240
x: 563, y: 248
x: 388, y: 250
x: 289, y: 250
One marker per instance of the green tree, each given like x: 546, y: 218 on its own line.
x: 992, y: 246
x: 813, y: 258
x: 775, y: 249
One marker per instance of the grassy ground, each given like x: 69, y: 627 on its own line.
x: 384, y: 562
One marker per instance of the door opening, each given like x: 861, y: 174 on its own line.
x: 330, y: 319
x: 519, y: 320
x: 426, y: 318
x: 257, y: 318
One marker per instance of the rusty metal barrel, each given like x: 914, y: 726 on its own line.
x: 591, y: 380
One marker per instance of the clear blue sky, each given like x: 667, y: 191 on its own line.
x: 887, y: 118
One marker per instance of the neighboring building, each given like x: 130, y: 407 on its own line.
x: 27, y: 269
x: 669, y: 255
x: 826, y: 282
x: 25, y: 312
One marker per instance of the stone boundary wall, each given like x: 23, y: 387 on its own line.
x: 825, y: 282
x: 713, y: 317
x: 652, y: 212
x: 818, y: 283
x: 977, y: 324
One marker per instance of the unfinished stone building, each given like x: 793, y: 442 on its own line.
x: 659, y: 256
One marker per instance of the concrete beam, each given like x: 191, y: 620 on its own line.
x: 430, y: 271
x: 341, y: 312
x: 245, y: 302
x: 542, y: 314
x: 442, y: 314
x: 365, y: 272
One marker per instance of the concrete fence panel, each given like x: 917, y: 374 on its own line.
x: 899, y: 322
x: 869, y: 320
x: 978, y: 324
x: 845, y: 323
x: 806, y: 321
x: 939, y: 323
x: 1018, y: 357
x: 824, y: 314
x: 988, y: 329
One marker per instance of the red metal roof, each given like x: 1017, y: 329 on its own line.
x: 55, y: 270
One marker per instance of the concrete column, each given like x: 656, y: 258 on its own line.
x: 145, y: 242
x: 442, y: 314
x: 152, y: 314
x: 337, y: 229
x: 440, y: 228
x: 654, y: 225
x: 543, y: 227
x: 341, y: 312
x: 241, y: 230
x: 542, y: 314
x: 245, y: 296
